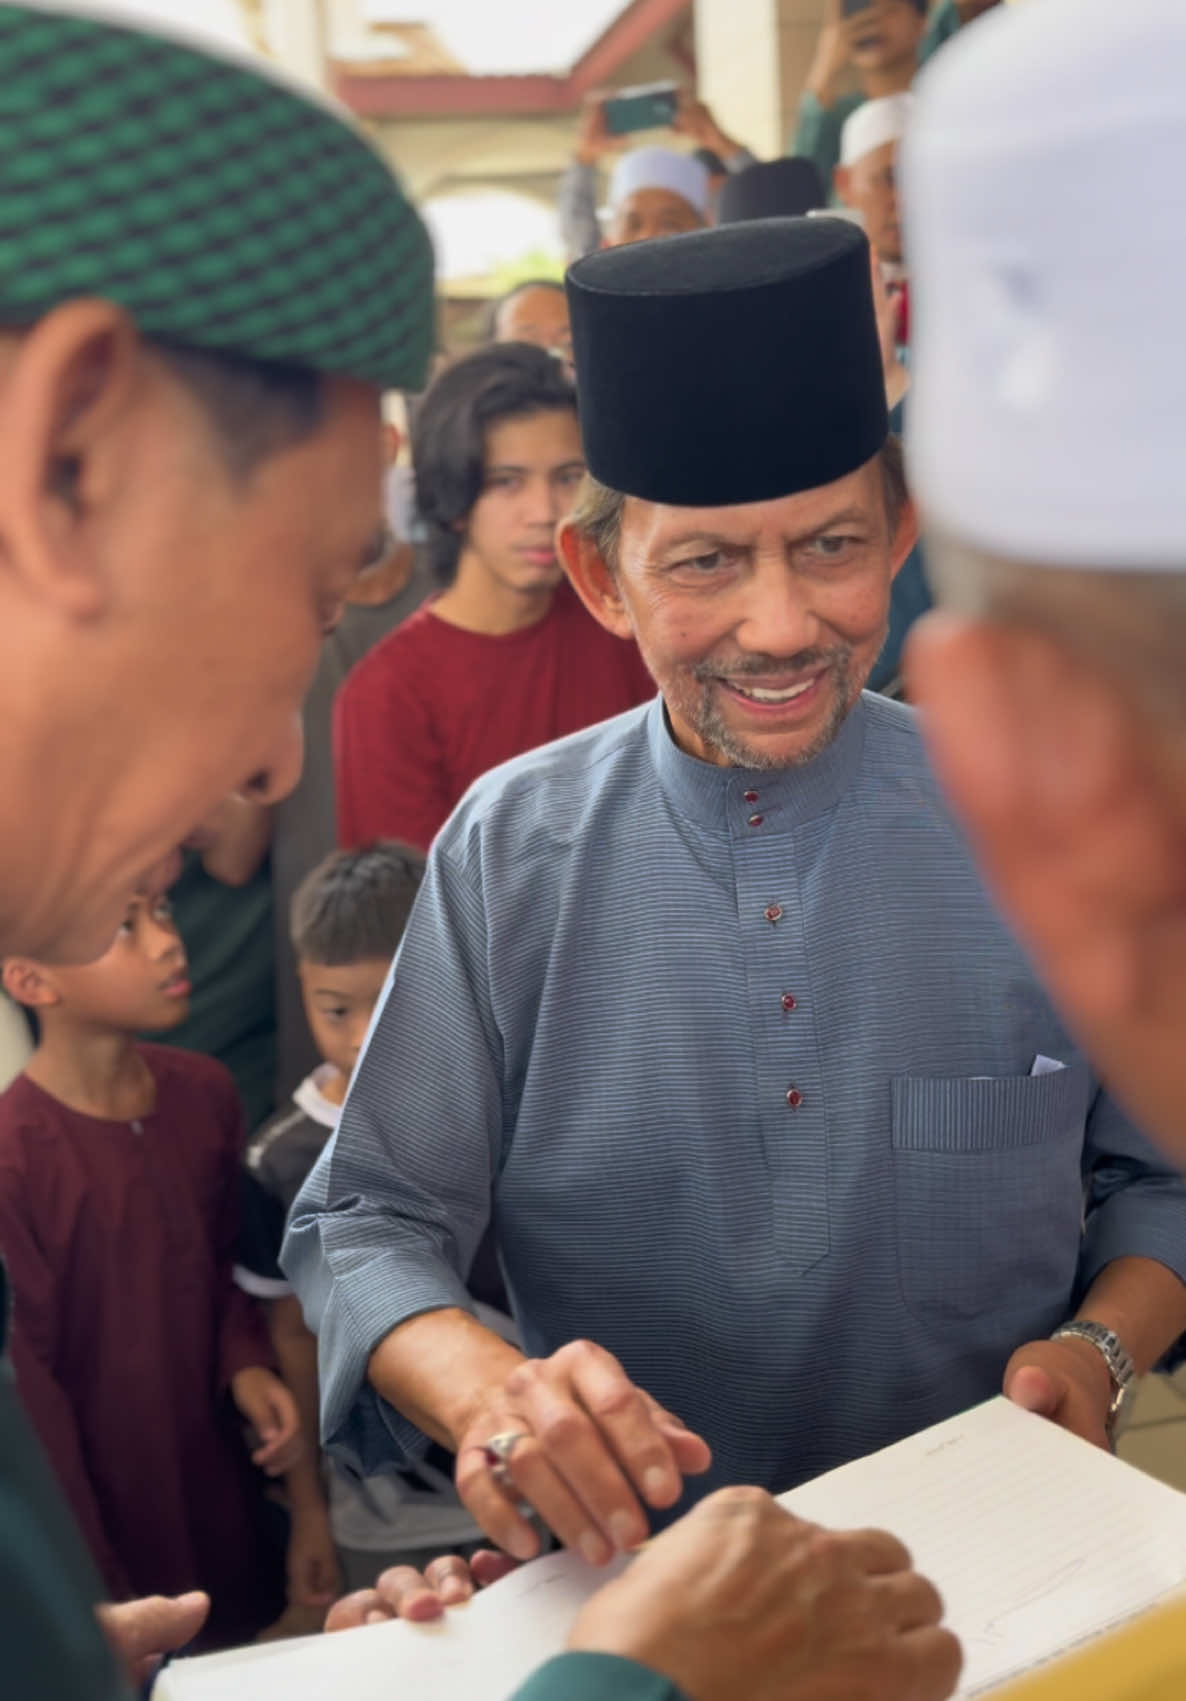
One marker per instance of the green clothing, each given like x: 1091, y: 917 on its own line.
x: 228, y: 934
x: 52, y: 1646
x: 595, y: 1677
x: 222, y: 206
x: 944, y: 23
x: 817, y: 135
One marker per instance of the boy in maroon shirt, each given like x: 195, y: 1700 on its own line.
x: 505, y: 658
x: 136, y: 1357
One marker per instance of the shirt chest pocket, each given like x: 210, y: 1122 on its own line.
x: 988, y: 1192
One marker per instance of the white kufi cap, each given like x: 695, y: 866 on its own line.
x: 1042, y: 186
x: 660, y: 168
x: 873, y: 124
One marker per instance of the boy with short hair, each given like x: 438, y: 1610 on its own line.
x: 119, y: 1169
x: 505, y: 657
x: 347, y: 919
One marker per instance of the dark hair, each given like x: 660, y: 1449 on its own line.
x: 712, y: 162
x: 598, y: 510
x: 504, y: 381
x: 354, y: 906
x: 256, y: 407
x: 496, y: 307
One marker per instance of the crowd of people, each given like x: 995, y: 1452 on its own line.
x: 529, y: 1042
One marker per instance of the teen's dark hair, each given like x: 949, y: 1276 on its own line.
x: 495, y: 310
x: 256, y: 407
x: 354, y: 906
x: 504, y: 381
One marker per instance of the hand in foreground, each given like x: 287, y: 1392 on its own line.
x: 741, y: 1599
x: 141, y: 1632
x: 1066, y: 1381
x: 314, y: 1577
x: 402, y: 1592
x: 593, y: 1451
x: 271, y: 1411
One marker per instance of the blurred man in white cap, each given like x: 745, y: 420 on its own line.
x: 654, y: 191
x: 1043, y: 179
x: 866, y: 179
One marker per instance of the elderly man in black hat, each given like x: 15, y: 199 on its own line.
x: 192, y: 345
x: 707, y: 1008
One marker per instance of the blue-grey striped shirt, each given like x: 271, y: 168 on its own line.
x: 740, y: 1063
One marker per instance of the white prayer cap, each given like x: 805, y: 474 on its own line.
x: 1042, y: 183
x: 660, y: 168
x: 875, y: 123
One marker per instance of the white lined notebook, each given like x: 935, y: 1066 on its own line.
x: 1036, y: 1540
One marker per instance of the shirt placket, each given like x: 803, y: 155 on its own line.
x: 790, y: 1105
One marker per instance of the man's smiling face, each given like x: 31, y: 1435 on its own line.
x: 759, y: 623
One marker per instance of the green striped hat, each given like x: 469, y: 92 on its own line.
x: 222, y: 207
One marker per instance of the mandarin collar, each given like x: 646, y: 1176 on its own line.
x: 753, y: 802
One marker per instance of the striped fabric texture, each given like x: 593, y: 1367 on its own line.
x: 220, y: 207
x: 740, y: 1064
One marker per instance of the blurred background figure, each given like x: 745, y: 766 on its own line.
x: 534, y: 312
x: 866, y: 182
x: 771, y: 189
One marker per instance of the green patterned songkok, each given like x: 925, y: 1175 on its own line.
x: 216, y: 203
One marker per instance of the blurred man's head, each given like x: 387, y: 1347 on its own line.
x: 1047, y: 443
x: 887, y: 35
x: 746, y: 515
x: 772, y: 189
x: 534, y: 312
x: 656, y: 192
x: 193, y: 350
x: 867, y: 176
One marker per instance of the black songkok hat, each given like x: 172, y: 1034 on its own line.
x: 774, y: 189
x: 729, y: 365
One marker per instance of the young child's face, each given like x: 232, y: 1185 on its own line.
x: 886, y: 33
x: 140, y: 982
x: 339, y: 1002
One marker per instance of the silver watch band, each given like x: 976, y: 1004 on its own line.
x: 1115, y: 1355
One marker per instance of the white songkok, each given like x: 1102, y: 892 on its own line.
x: 874, y: 124
x: 1042, y: 184
x: 660, y: 168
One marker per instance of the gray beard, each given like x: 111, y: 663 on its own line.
x: 717, y: 735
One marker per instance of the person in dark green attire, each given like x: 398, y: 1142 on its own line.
x: 206, y: 279
x: 880, y: 48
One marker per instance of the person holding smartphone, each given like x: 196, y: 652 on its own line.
x: 880, y: 43
x: 654, y: 191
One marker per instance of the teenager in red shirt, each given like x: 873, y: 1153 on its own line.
x: 505, y: 657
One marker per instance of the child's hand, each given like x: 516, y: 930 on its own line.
x: 314, y: 1578
x: 271, y: 1411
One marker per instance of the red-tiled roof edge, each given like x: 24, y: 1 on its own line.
x: 533, y: 94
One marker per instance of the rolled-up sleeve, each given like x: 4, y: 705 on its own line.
x: 388, y: 1222
x: 1135, y: 1199
x: 596, y: 1677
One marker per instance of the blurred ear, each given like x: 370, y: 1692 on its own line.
x: 592, y: 579
x: 70, y: 383
x: 842, y: 183
x: 392, y: 440
x: 28, y: 983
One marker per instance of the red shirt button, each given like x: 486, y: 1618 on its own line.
x: 756, y: 820
x: 750, y: 796
x: 774, y: 913
x: 794, y: 1098
x: 788, y: 1001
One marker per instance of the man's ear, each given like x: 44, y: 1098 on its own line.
x: 392, y: 440
x: 592, y: 579
x: 842, y: 183
x: 905, y: 538
x: 29, y: 984
x: 63, y: 391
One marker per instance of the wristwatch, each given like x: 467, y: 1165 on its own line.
x: 1115, y: 1355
